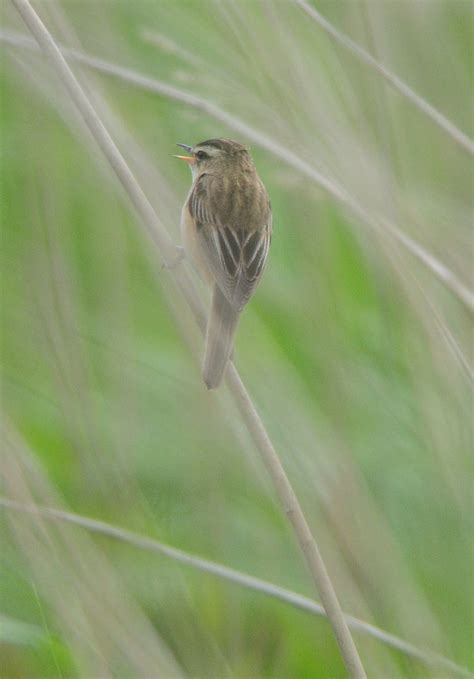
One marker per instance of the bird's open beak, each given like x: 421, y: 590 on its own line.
x: 189, y: 159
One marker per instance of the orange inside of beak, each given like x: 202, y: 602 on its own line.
x: 189, y: 159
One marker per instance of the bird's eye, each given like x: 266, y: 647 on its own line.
x: 200, y: 155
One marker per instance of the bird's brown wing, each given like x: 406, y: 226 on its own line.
x: 235, y: 254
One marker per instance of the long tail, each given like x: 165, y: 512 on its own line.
x: 221, y: 328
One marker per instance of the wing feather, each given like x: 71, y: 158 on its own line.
x: 235, y: 253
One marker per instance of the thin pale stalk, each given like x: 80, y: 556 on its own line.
x: 161, y: 237
x: 393, y: 80
x: 376, y: 223
x: 237, y: 577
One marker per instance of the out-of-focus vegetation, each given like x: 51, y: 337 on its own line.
x: 356, y: 356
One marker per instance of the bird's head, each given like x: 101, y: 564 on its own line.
x: 216, y: 156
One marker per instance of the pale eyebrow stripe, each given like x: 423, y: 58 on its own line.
x: 211, y: 150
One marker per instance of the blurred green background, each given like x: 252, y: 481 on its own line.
x: 358, y: 359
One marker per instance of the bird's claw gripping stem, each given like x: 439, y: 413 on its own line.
x: 172, y: 264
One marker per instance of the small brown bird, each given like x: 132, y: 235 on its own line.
x: 226, y: 227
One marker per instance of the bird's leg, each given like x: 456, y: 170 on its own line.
x: 180, y: 255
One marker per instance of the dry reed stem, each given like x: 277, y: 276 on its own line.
x: 397, y: 83
x: 256, y: 428
x: 103, y: 626
x: 237, y: 577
